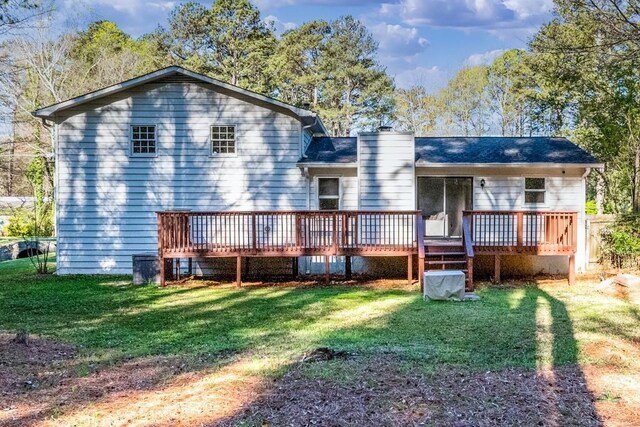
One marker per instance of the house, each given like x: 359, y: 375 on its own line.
x: 174, y: 140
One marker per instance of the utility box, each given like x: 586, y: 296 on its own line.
x: 146, y: 269
x: 444, y: 285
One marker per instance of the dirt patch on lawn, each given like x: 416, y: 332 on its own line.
x: 382, y: 393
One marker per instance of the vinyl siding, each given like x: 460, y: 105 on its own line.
x: 348, y: 186
x: 106, y: 200
x: 386, y: 171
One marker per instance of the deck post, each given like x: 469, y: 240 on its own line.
x: 519, y: 228
x: 190, y: 266
x: 410, y: 269
x: 326, y: 268
x: 347, y: 267
x: 572, y: 269
x: 496, y: 268
x: 163, y: 279
x: 238, y: 271
x: 177, y: 276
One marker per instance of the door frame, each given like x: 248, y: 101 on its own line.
x: 445, y: 193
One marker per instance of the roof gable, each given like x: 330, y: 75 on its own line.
x: 179, y: 74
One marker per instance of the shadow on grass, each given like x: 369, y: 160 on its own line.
x: 132, y: 331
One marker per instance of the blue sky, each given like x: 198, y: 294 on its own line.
x: 421, y: 41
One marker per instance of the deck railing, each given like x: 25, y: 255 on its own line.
x: 294, y: 233
x: 527, y: 232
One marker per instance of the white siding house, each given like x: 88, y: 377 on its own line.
x: 176, y: 140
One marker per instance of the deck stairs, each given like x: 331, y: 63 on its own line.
x: 446, y: 255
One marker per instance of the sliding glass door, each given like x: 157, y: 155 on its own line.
x: 442, y: 201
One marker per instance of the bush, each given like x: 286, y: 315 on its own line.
x: 23, y: 223
x: 621, y: 242
x: 590, y: 207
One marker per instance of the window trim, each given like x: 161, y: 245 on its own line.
x: 235, y: 140
x: 155, y: 134
x: 339, y: 197
x: 543, y: 191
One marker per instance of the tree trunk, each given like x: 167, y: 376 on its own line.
x: 636, y: 182
x: 600, y: 195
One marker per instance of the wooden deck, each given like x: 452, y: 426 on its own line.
x: 290, y: 234
x: 187, y: 235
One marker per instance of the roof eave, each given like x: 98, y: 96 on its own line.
x: 50, y: 111
x: 326, y: 164
x: 514, y: 165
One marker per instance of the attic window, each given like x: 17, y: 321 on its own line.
x: 534, y: 191
x: 143, y: 140
x: 223, y: 139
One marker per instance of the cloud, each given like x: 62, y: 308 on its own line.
x: 484, y: 58
x: 397, y: 43
x: 274, y: 4
x: 279, y: 25
x: 471, y: 14
x: 433, y: 78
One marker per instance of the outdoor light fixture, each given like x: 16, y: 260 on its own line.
x: 482, y: 183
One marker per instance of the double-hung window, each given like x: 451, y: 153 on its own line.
x: 143, y: 140
x: 223, y: 139
x: 535, y: 191
x: 329, y: 193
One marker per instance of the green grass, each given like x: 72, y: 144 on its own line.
x: 109, y: 319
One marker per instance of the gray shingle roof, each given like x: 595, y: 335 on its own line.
x: 462, y: 150
x: 500, y: 150
x: 331, y: 150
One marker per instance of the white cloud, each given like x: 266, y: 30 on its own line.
x: 485, y: 14
x: 397, y: 44
x: 279, y: 25
x: 433, y: 78
x: 484, y: 58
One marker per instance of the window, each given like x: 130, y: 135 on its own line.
x: 223, y: 139
x: 329, y: 193
x: 534, y: 190
x: 143, y: 140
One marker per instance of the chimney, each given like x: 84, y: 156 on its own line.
x: 306, y: 105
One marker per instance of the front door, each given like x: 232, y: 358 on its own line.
x: 442, y: 200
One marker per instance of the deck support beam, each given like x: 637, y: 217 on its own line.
x: 572, y: 269
x: 163, y: 278
x: 190, y: 266
x: 326, y: 268
x: 496, y: 268
x: 347, y: 267
x: 410, y: 269
x: 177, y: 275
x: 238, y: 271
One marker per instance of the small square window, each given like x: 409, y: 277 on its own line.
x: 143, y: 140
x: 535, y: 191
x: 223, y: 139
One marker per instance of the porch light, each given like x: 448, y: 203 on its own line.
x: 482, y: 183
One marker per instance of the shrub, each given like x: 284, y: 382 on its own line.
x: 621, y: 242
x: 590, y: 207
x: 23, y: 223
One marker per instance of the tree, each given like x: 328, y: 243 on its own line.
x: 465, y: 101
x: 416, y: 111
x: 589, y: 57
x: 356, y: 91
x: 508, y: 93
x: 229, y: 42
x: 296, y: 72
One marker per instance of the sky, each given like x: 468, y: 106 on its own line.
x: 420, y: 41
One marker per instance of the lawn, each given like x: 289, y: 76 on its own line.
x: 104, y: 351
